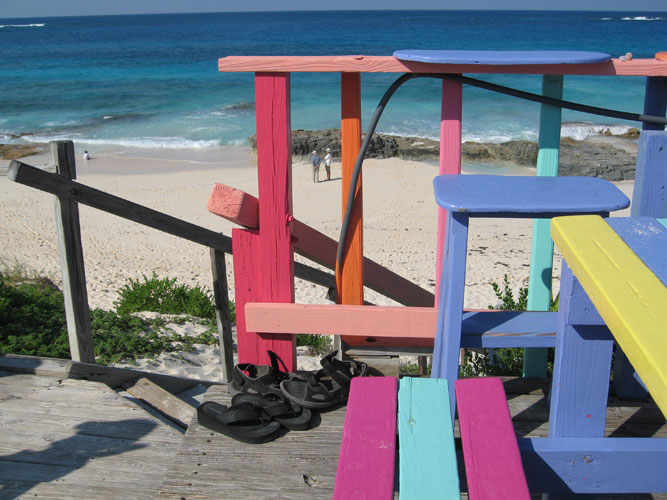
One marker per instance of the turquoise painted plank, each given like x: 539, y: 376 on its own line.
x: 539, y: 289
x: 663, y: 222
x: 427, y: 457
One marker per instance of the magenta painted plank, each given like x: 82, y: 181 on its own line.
x: 368, y: 448
x: 274, y: 176
x: 245, y: 247
x: 450, y: 155
x: 492, y: 460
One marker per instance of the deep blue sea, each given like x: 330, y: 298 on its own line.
x: 152, y: 80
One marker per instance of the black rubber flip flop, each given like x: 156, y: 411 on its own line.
x: 289, y: 415
x: 243, y: 422
x: 327, y: 388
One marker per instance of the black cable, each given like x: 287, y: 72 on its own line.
x: 554, y: 102
x: 476, y: 83
x: 360, y: 160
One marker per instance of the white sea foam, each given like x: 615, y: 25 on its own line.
x: 34, y: 25
x: 581, y: 130
x: 138, y: 142
x: 642, y: 18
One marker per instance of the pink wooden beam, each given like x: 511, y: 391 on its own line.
x: 388, y: 64
x: 243, y: 209
x: 450, y: 155
x: 363, y: 325
x: 264, y: 259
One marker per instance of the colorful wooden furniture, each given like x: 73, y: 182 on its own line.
x: 621, y: 264
x: 427, y: 459
x: 613, y: 280
x: 273, y: 110
x: 539, y: 291
x: 492, y: 460
x: 466, y: 196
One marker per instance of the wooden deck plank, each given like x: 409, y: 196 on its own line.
x: 297, y: 466
x: 78, y: 439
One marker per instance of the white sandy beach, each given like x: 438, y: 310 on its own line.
x: 399, y: 228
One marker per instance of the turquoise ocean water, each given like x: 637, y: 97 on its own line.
x: 152, y: 80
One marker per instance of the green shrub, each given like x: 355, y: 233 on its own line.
x: 164, y: 296
x: 32, y: 321
x: 317, y: 344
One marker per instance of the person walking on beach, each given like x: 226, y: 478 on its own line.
x: 316, y: 160
x: 327, y: 163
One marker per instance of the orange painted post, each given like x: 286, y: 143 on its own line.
x: 350, y: 280
x: 450, y: 155
x: 264, y: 259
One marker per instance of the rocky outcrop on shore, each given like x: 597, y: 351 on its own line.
x: 16, y: 151
x: 590, y: 158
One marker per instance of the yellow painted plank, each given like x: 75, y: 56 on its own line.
x: 628, y: 296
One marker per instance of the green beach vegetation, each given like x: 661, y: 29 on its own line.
x: 32, y: 319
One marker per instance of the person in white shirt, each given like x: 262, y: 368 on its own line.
x: 327, y: 163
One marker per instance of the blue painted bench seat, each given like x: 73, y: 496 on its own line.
x: 467, y: 196
x: 502, y: 57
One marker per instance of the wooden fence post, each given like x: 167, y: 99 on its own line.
x: 222, y: 316
x: 264, y: 259
x: 71, y: 259
x: 451, y: 110
x: 350, y: 279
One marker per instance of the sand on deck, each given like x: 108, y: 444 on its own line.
x: 400, y: 218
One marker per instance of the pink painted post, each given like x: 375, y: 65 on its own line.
x: 265, y: 270
x: 450, y: 155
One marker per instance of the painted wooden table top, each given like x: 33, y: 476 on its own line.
x: 502, y: 57
x: 622, y: 266
x: 484, y: 194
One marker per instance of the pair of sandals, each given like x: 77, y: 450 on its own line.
x: 254, y: 418
x: 320, y: 390
x: 268, y: 400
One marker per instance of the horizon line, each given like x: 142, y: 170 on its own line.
x: 330, y: 10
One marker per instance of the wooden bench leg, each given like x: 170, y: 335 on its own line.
x: 450, y: 304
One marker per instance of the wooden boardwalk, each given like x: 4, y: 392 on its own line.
x: 66, y: 439
x: 303, y: 465
x: 63, y: 438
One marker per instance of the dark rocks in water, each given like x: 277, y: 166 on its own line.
x: 595, y: 159
x: 590, y: 158
x: 304, y: 142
